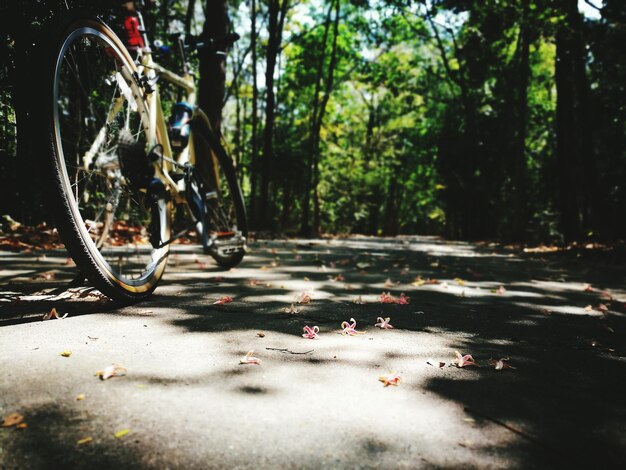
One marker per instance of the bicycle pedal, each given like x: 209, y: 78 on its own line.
x: 234, y: 244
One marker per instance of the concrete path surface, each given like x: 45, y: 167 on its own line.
x: 185, y: 400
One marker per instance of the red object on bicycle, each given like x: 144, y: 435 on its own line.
x: 134, y: 40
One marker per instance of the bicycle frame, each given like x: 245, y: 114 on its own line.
x: 157, y: 127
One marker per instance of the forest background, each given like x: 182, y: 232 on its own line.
x: 500, y: 119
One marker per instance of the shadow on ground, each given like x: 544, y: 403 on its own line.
x: 562, y: 405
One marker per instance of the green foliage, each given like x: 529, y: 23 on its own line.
x: 442, y: 116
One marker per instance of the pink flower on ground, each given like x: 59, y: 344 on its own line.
x: 350, y: 328
x: 311, y: 333
x: 250, y: 359
x: 462, y: 361
x: 223, y: 300
x: 384, y: 323
x: 390, y: 379
x: 387, y: 298
x: 303, y: 298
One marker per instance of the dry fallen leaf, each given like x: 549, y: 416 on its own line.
x: 358, y: 301
x: 390, y: 283
x: 84, y: 440
x: 53, y: 314
x: 292, y: 309
x: 390, y: 379
x: 80, y: 396
x: 260, y: 334
x: 12, y: 419
x: 249, y: 359
x: 589, y: 308
x: 22, y: 426
x: 121, y: 433
x: 500, y: 364
x: 459, y: 281
x: 66, y: 353
x: 384, y: 323
x: 588, y: 288
x: 223, y: 300
x: 114, y: 370
x: 421, y: 282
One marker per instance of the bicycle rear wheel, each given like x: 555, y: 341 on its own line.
x: 224, y: 225
x: 112, y: 213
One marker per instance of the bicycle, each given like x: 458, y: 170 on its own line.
x: 120, y: 166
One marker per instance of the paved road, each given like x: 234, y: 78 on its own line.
x: 188, y: 403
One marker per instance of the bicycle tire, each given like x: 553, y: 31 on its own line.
x: 208, y: 144
x: 89, y: 64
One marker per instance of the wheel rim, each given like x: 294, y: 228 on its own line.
x: 99, y: 118
x: 220, y: 211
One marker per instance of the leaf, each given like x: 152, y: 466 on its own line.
x: 121, y: 433
x: 363, y: 265
x: 589, y: 308
x: 311, y: 333
x: 459, y: 281
x: 387, y: 298
x: 80, y: 397
x: 390, y: 379
x: 350, y: 328
x: 53, y: 314
x: 22, y: 426
x: 462, y: 361
x: 84, y: 440
x: 339, y: 278
x: 260, y: 334
x: 292, y: 310
x: 250, y: 359
x: 66, y: 353
x: 12, y: 419
x: 499, y: 291
x: 223, y: 300
x: 587, y: 288
x: 418, y: 282
x: 500, y: 364
x: 384, y: 323
x: 390, y: 283
x: 114, y: 370
x: 603, y: 308
x: 359, y: 301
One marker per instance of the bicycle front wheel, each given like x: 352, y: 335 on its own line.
x: 112, y: 213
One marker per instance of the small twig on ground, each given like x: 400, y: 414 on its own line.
x: 285, y: 350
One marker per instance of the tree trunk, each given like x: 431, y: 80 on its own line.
x: 212, y: 66
x: 520, y: 207
x: 574, y: 139
x: 254, y: 158
x: 305, y: 225
x: 191, y: 6
x: 277, y: 13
